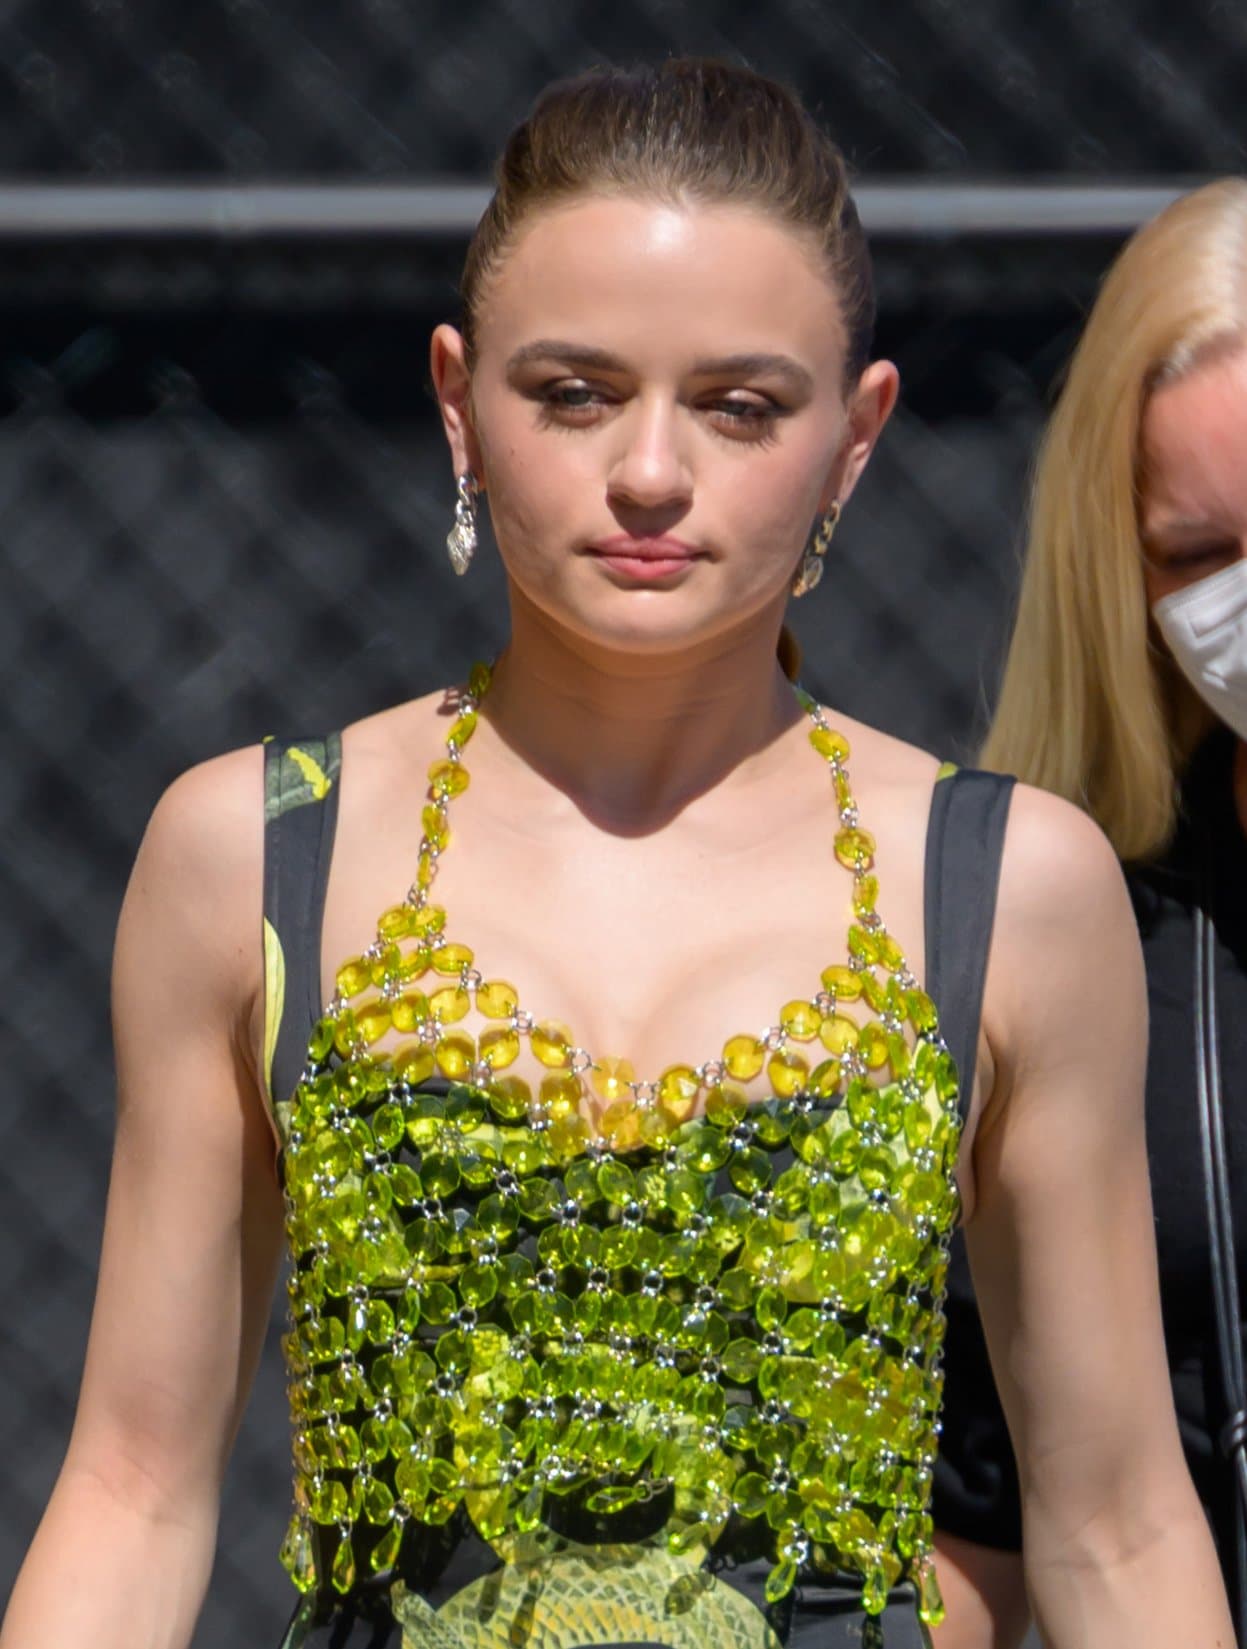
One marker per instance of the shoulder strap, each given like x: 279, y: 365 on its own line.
x: 965, y: 838
x: 300, y: 817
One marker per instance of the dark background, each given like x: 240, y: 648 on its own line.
x: 223, y: 494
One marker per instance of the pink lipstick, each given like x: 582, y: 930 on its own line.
x: 644, y: 560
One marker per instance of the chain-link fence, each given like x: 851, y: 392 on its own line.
x: 223, y: 491
x: 375, y: 87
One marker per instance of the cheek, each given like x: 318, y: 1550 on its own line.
x: 530, y: 482
x: 1155, y: 584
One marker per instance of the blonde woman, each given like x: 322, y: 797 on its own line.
x: 1126, y: 692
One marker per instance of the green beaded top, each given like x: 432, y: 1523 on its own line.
x: 706, y: 1305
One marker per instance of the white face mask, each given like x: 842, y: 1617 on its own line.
x: 1205, y: 626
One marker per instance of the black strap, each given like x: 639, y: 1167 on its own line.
x: 965, y: 840
x: 1233, y: 1434
x: 300, y: 819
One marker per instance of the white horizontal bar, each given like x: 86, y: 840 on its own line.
x: 904, y: 208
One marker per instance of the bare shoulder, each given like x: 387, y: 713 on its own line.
x: 407, y: 735
x: 1059, y: 874
x: 1065, y: 980
x: 882, y: 765
x: 196, y: 887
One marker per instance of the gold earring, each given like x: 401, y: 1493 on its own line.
x: 811, y: 568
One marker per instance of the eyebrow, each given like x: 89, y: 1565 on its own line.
x: 750, y: 365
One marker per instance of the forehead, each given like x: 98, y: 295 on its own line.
x: 1194, y: 438
x: 653, y: 280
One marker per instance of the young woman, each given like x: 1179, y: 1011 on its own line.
x: 631, y: 1334
x: 1126, y: 692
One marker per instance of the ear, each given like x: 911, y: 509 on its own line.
x: 870, y: 407
x: 452, y: 384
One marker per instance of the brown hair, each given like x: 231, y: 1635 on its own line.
x: 687, y: 129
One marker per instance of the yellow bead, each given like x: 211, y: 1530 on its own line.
x: 463, y: 729
x: 568, y: 1137
x: 479, y: 677
x: 450, y: 1004
x: 842, y: 982
x: 863, y: 944
x: 830, y: 744
x: 842, y: 789
x: 873, y: 1046
x: 456, y: 1054
x: 854, y: 847
x: 426, y: 870
x: 396, y: 923
x: 450, y: 960
x: 561, y: 1094
x: 432, y: 818
x: 610, y: 1078
x: 386, y: 965
x: 744, y: 1057
x: 621, y: 1125
x: 372, y: 1021
x: 353, y: 977
x: 921, y: 1012
x: 415, y: 963
x: 298, y: 1556
x: 866, y: 895
x: 838, y: 1033
x: 825, y: 1078
x: 342, y: 1572
x: 875, y: 993
x: 447, y: 778
x: 890, y: 953
x: 552, y: 1044
x: 437, y: 835
x: 801, y: 1020
x: 496, y: 999
x: 512, y: 1097
x: 787, y: 1073
x: 500, y: 1048
x: 678, y: 1087
x: 930, y: 1602
x: 409, y: 1011
x: 726, y: 1104
x: 432, y: 919
x: 414, y: 1063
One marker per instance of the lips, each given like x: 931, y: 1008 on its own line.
x: 644, y: 559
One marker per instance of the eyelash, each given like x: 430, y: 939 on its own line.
x: 1194, y: 555
x: 747, y: 420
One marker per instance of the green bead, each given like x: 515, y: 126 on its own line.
x: 384, y: 1554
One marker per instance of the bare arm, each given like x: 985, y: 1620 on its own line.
x: 191, y: 1243
x: 984, y: 1595
x: 1116, y: 1547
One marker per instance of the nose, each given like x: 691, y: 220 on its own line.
x: 650, y: 469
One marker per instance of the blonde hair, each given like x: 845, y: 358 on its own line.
x: 1089, y: 706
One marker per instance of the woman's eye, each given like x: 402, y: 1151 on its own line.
x: 749, y: 419
x: 1193, y: 558
x: 572, y: 397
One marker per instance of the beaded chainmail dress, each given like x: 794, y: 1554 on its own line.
x: 595, y: 1360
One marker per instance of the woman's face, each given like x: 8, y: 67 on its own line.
x: 1193, y: 499
x: 657, y: 412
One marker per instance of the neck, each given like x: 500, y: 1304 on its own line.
x: 633, y: 738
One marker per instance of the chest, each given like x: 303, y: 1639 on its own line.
x: 652, y: 948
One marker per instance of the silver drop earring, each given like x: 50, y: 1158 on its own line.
x: 461, y: 539
x: 811, y: 569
